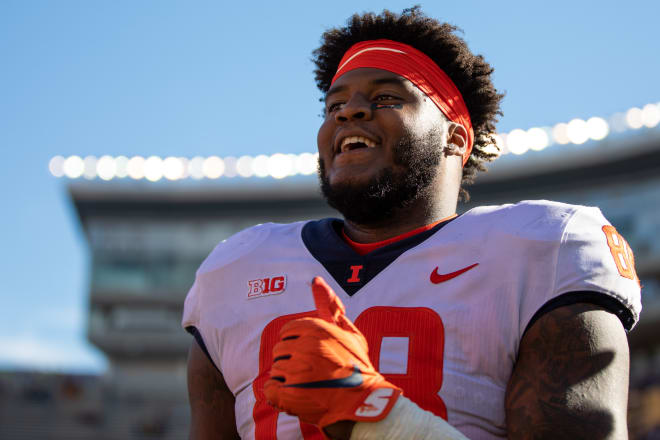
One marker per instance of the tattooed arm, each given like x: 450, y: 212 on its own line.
x: 571, y: 377
x: 211, y: 401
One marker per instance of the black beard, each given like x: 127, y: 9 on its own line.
x: 393, y: 189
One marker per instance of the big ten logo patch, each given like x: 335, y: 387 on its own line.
x: 621, y: 252
x: 266, y: 286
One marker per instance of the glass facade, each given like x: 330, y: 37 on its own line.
x: 144, y: 262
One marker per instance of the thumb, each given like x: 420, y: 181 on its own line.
x: 329, y: 306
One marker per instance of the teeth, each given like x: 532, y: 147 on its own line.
x: 356, y: 139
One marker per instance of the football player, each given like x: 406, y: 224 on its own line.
x: 404, y: 319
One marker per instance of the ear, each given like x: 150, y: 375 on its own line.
x: 456, y: 139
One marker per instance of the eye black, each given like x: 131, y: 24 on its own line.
x: 334, y: 107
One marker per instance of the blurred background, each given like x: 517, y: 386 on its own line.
x: 136, y: 135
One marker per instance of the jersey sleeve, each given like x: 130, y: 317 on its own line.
x: 191, y: 307
x: 192, y: 322
x: 207, y: 298
x: 594, y: 257
x: 593, y: 264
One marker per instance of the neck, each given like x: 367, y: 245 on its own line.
x: 420, y: 213
x: 438, y: 201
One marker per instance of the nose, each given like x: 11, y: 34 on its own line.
x: 357, y: 108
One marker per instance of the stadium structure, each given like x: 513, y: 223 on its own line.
x: 149, y: 222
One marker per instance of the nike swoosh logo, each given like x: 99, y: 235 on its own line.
x: 437, y: 278
x: 354, y: 380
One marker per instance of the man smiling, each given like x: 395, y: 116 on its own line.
x: 404, y: 320
x: 379, y: 155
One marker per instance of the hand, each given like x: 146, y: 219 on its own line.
x: 321, y: 370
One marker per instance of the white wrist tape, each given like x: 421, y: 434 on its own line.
x: 407, y: 421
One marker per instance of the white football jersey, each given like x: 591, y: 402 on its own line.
x: 443, y: 311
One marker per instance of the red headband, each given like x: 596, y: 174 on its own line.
x: 417, y: 68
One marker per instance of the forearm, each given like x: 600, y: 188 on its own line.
x: 405, y: 421
x: 211, y: 401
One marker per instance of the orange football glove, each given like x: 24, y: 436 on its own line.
x: 321, y: 370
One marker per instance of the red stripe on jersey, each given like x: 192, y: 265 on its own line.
x: 365, y: 248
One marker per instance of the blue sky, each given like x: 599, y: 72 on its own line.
x: 203, y: 78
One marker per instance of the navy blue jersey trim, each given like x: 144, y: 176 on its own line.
x: 352, y: 381
x: 323, y: 240
x: 607, y: 302
x: 198, y: 337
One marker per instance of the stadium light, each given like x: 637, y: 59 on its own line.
x: 518, y: 141
x: 213, y: 167
x: 153, y: 168
x: 279, y: 165
x: 135, y: 167
x: 121, y: 167
x: 73, y: 167
x: 196, y: 167
x: 537, y: 138
x: 634, y: 118
x: 560, y: 133
x: 56, y: 166
x: 618, y: 122
x: 106, y: 167
x: 244, y: 166
x: 306, y: 163
x: 577, y: 131
x: 174, y: 168
x: 597, y: 128
x: 89, y: 167
x: 282, y: 165
x: 230, y: 166
x: 260, y: 166
x: 651, y: 115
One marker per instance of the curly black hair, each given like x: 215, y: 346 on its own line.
x: 471, y: 73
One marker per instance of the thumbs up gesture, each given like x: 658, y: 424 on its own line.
x: 321, y: 370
